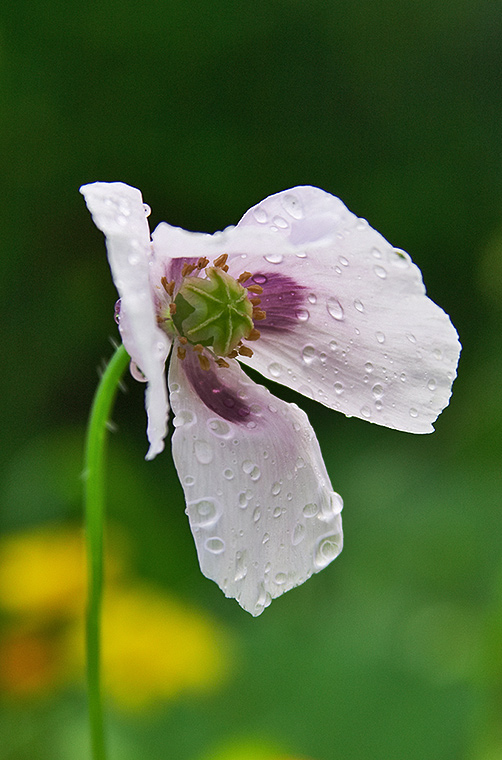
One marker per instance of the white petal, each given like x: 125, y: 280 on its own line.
x: 361, y: 335
x: 118, y: 211
x: 259, y: 500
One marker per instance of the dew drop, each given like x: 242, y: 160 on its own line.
x: 281, y: 578
x: 333, y: 345
x: 277, y: 512
x: 291, y: 204
x: 276, y: 488
x: 260, y: 279
x: 312, y: 298
x: 437, y: 354
x: 280, y: 222
x: 326, y: 550
x: 204, y: 512
x: 147, y: 209
x: 219, y: 427
x: 298, y: 534
x: 402, y: 377
x: 301, y: 255
x: 275, y: 369
x: 215, y: 545
x: 343, y: 261
x: 380, y: 272
x: 308, y: 354
x: 203, y: 452
x: 302, y: 315
x: 380, y: 337
x: 240, y: 566
x: 184, y: 418
x: 228, y: 474
x: 377, y: 391
x: 366, y: 412
x: 260, y: 215
x: 411, y: 337
x: 432, y: 384
x: 266, y: 538
x: 377, y: 253
x: 274, y: 258
x: 335, y: 308
x: 368, y: 367
x: 310, y: 510
x: 257, y: 514
x: 189, y: 480
x: 338, y: 388
x: 358, y: 305
x: 413, y: 412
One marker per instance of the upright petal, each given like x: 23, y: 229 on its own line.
x: 348, y: 322
x: 119, y: 212
x: 260, y: 503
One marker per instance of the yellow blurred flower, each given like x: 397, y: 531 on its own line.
x: 153, y: 646
x: 42, y: 572
x: 250, y: 749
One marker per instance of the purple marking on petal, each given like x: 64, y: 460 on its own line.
x: 282, y: 297
x: 212, y: 391
x: 174, y: 267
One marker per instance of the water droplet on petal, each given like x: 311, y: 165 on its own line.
x: 189, y: 480
x: 204, y: 512
x: 432, y: 384
x: 260, y: 215
x: 184, y: 418
x: 240, y: 566
x: 281, y: 578
x: 310, y: 510
x: 411, y: 338
x: 380, y: 272
x: 147, y: 209
x: 219, y: 427
x: 380, y: 337
x: 276, y: 488
x: 273, y: 258
x: 291, y: 204
x: 302, y: 315
x: 377, y: 253
x: 215, y: 545
x: 413, y: 412
x: 298, y: 534
x: 203, y: 452
x: 377, y: 390
x: 266, y: 538
x: 359, y: 305
x: 343, y: 261
x: 338, y: 388
x: 277, y: 512
x: 437, y: 354
x: 260, y: 279
x: 335, y: 308
x: 368, y: 367
x: 308, y: 354
x: 228, y: 474
x: 366, y: 412
x: 257, y: 514
x: 326, y: 550
x: 280, y: 222
x: 275, y: 369
x: 312, y: 298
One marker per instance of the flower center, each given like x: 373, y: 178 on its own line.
x: 215, y: 311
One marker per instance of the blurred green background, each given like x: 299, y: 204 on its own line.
x: 393, y: 651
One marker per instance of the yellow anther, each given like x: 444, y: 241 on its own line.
x: 255, y: 289
x: 172, y: 308
x: 168, y: 286
x: 243, y: 277
x: 254, y: 334
x: 202, y: 262
x: 182, y: 352
x: 245, y: 351
x: 221, y: 260
x: 255, y: 301
x: 204, y: 362
x: 187, y: 269
x: 198, y: 348
x: 259, y: 314
x: 222, y: 363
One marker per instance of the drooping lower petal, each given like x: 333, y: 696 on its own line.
x: 260, y: 503
x: 348, y: 321
x: 119, y: 212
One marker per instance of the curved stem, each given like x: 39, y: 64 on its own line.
x: 94, y: 500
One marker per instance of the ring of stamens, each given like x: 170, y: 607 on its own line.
x: 211, y: 315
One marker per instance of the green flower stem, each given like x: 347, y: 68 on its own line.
x: 94, y: 498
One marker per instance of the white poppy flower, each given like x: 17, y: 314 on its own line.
x: 313, y: 298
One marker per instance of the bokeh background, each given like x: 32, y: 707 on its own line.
x: 393, y: 651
